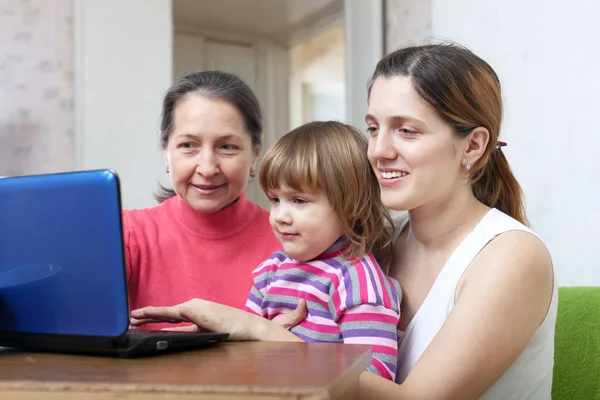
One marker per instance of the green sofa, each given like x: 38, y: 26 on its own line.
x: 577, y: 344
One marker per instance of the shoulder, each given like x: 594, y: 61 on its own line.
x: 256, y: 217
x: 515, y: 265
x: 141, y: 216
x: 271, y: 264
x: 515, y: 253
x: 140, y: 223
x: 254, y: 211
x: 364, y: 278
x: 520, y: 253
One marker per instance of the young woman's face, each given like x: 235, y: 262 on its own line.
x: 413, y: 151
x: 209, y: 154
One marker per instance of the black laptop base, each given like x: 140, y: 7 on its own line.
x: 135, y: 343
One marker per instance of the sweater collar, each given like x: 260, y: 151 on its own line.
x: 220, y: 224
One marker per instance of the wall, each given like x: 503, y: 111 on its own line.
x: 36, y: 87
x: 123, y: 68
x: 545, y: 55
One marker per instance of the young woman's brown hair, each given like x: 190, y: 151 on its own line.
x: 466, y: 93
x: 332, y: 157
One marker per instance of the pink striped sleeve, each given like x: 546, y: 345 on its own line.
x: 374, y: 325
x: 368, y: 312
x: 261, y: 276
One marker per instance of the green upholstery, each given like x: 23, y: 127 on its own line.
x: 577, y: 344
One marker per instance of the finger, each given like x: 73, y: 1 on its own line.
x: 138, y: 322
x: 162, y: 314
x: 205, y: 319
x: 301, y: 310
x: 189, y: 328
x: 295, y: 317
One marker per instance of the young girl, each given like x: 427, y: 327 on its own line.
x: 326, y: 211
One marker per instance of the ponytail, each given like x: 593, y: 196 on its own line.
x: 495, y: 185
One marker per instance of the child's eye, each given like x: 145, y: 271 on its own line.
x: 300, y: 201
x: 274, y: 200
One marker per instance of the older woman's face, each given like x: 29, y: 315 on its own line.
x: 412, y: 149
x: 209, y: 153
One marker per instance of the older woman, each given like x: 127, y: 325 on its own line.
x: 479, y: 297
x: 205, y: 237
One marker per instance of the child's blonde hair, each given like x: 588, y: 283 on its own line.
x: 332, y: 157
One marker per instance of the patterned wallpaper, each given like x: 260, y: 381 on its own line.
x: 36, y: 86
x: 407, y: 22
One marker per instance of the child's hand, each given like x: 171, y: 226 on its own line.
x: 291, y: 319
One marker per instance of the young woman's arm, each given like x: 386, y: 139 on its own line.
x: 504, y: 297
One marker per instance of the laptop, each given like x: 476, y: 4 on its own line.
x: 63, y: 284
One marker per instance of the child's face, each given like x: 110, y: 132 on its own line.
x: 304, y: 223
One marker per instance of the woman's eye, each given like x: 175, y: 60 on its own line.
x: 371, y: 130
x: 229, y: 147
x: 187, y: 146
x: 406, y: 132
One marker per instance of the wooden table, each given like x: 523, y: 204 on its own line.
x: 249, y: 370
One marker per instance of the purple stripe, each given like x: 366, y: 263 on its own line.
x: 380, y: 333
x: 278, y: 304
x: 391, y: 367
x: 305, y: 338
x: 332, y: 262
x: 261, y: 284
x: 255, y: 300
x: 321, y: 287
x: 280, y: 256
x: 373, y: 280
x: 320, y: 313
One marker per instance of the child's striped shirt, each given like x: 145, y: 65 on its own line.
x: 349, y: 301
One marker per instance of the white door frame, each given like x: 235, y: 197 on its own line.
x: 364, y: 48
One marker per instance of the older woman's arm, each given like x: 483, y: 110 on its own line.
x: 215, y: 317
x: 504, y: 298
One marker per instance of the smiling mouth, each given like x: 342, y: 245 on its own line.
x: 393, y: 174
x: 287, y: 234
x: 207, y: 188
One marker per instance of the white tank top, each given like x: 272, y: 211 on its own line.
x: 530, y: 377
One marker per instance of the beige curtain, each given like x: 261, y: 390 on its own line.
x: 36, y: 86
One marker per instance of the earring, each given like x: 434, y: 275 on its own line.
x: 252, y: 173
x: 468, y: 166
x: 167, y: 170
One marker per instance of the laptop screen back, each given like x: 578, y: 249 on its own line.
x: 61, y: 255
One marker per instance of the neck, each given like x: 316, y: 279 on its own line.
x: 220, y: 224
x: 437, y: 226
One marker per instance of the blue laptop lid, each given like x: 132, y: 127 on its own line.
x: 61, y: 255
